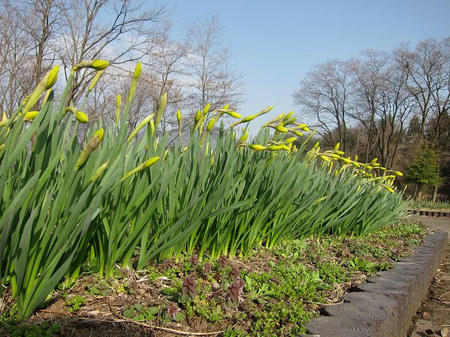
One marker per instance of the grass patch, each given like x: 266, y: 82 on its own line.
x: 438, y: 205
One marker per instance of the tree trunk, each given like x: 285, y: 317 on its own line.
x: 435, y: 189
x: 419, y: 192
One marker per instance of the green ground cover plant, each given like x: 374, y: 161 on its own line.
x: 120, y: 197
x: 438, y: 205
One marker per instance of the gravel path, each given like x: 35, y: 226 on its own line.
x: 433, y: 317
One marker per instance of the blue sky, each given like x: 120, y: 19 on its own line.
x: 275, y: 43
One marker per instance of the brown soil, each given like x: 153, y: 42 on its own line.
x: 433, y: 317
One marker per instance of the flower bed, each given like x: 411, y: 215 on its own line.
x: 273, y: 291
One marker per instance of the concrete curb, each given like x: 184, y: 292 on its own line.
x: 426, y: 212
x: 384, y: 305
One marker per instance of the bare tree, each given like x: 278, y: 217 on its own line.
x: 26, y: 28
x: 428, y: 69
x: 395, y: 108
x: 368, y: 82
x: 325, y: 94
x: 119, y: 35
x: 212, y: 77
x: 166, y: 74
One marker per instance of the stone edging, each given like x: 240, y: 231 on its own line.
x: 427, y: 212
x: 384, y: 305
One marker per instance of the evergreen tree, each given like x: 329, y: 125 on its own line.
x: 424, y: 171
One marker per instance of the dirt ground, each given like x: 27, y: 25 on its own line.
x: 433, y: 317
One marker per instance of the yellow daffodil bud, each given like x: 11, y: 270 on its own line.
x: 389, y: 189
x: 243, y: 138
x: 298, y: 133
x: 30, y: 115
x: 137, y: 70
x: 52, y: 76
x: 281, y: 128
x: 161, y: 108
x: 179, y: 117
x: 247, y: 119
x: 95, y: 80
x: 118, y: 108
x: 233, y: 114
x: 198, y: 117
x: 144, y: 122
x: 398, y: 173
x: 99, y: 172
x: 140, y: 167
x: 290, y: 140
x: 320, y: 199
x: 274, y: 147
x: 94, y: 64
x: 81, y: 116
x: 256, y: 147
x: 91, y: 145
x: 346, y: 160
x: 289, y: 115
x: 210, y: 125
x: 206, y: 109
x: 290, y: 121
